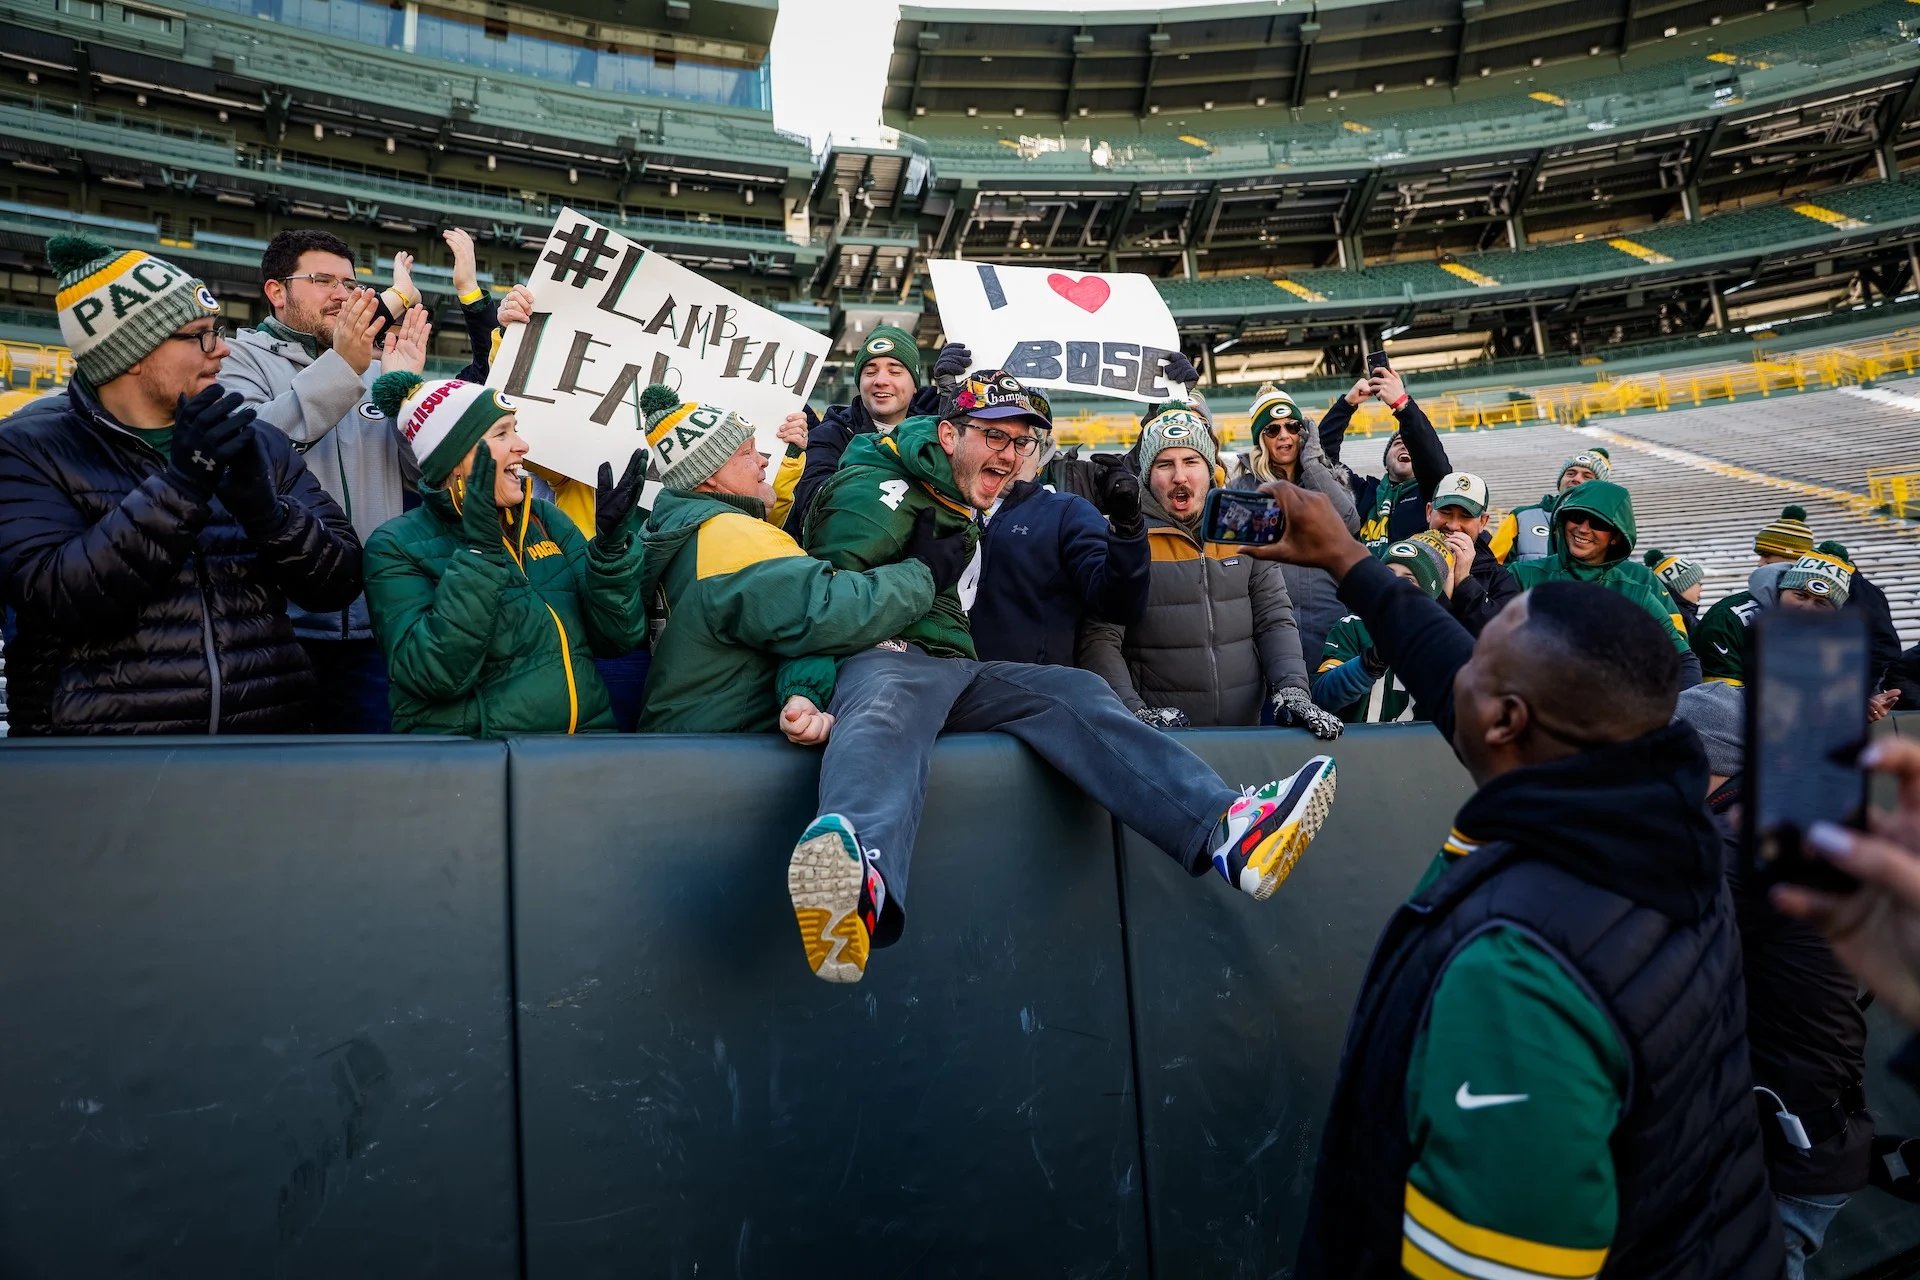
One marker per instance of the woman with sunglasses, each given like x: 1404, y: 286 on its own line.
x: 1286, y: 448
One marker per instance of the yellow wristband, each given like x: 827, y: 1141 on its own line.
x: 403, y: 300
x: 472, y: 296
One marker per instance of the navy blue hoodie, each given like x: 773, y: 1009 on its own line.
x: 1048, y: 559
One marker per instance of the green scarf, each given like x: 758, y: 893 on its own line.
x: 272, y: 327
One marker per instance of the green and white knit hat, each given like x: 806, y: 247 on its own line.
x: 115, y: 307
x: 1821, y: 576
x: 441, y: 420
x: 1677, y: 572
x: 690, y: 441
x: 1594, y: 460
x: 1787, y: 536
x: 1428, y: 557
x: 1176, y: 429
x: 1270, y: 403
x: 893, y: 342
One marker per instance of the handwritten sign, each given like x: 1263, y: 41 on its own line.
x: 1106, y: 335
x: 612, y: 317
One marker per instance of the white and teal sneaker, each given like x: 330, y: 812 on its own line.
x: 837, y: 895
x: 1266, y: 829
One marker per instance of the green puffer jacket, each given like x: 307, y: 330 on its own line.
x: 1619, y: 572
x: 498, y: 643
x: 862, y: 517
x: 747, y: 619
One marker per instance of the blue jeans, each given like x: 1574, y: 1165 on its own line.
x: 889, y: 707
x: 351, y: 696
x: 1806, y: 1219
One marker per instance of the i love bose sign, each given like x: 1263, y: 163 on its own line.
x: 1107, y: 335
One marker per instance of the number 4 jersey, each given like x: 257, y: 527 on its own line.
x: 863, y: 517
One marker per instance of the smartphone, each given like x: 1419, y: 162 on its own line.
x: 1375, y: 360
x: 1242, y: 518
x: 1807, y: 685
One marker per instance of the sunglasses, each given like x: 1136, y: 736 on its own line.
x: 1586, y: 521
x: 1288, y: 425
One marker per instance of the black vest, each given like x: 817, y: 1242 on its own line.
x: 1693, y: 1192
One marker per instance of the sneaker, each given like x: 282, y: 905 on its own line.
x: 1267, y: 827
x: 837, y: 895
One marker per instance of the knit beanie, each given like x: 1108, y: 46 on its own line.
x: 442, y: 420
x: 115, y: 307
x: 1716, y: 711
x: 1428, y: 556
x: 1676, y: 571
x: 1269, y: 403
x: 1176, y: 429
x: 1594, y: 460
x: 1787, y: 536
x: 1820, y: 575
x: 1838, y: 550
x: 893, y: 342
x: 690, y: 441
x: 1391, y: 440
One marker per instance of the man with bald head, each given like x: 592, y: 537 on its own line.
x: 1546, y: 1071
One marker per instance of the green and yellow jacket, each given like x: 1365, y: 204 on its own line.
x: 1619, y: 572
x: 489, y: 644
x: 746, y: 619
x: 862, y: 517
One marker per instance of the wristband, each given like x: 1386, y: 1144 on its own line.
x: 472, y: 296
x: 1401, y: 403
x: 402, y: 299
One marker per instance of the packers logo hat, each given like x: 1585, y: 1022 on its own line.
x: 1464, y: 490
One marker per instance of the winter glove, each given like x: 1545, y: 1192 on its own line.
x: 1293, y: 706
x: 946, y: 557
x: 1118, y: 491
x: 479, y: 517
x: 1372, y: 662
x: 209, y: 431
x: 616, y: 506
x: 954, y: 359
x: 247, y: 489
x: 1163, y: 717
x: 1180, y: 369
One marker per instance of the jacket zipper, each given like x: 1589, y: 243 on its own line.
x: 206, y: 640
x: 346, y: 494
x: 566, y: 661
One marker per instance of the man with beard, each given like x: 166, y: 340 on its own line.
x: 916, y: 492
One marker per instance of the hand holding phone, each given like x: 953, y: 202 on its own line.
x: 1241, y: 518
x: 1375, y: 360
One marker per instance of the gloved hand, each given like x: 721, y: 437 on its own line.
x: 946, y: 556
x: 1180, y: 369
x: 1372, y: 662
x: 479, y: 517
x: 209, y: 431
x: 615, y: 506
x: 1293, y: 706
x: 1163, y: 717
x: 247, y: 489
x: 954, y: 359
x: 1118, y: 493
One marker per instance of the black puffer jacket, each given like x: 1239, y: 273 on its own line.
x: 142, y: 609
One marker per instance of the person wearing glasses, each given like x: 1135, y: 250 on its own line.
x: 151, y: 536
x: 916, y: 491
x: 308, y: 370
x: 1286, y: 448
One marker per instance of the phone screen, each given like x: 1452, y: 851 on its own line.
x: 1241, y: 518
x: 1806, y: 725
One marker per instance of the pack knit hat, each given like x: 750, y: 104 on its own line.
x: 894, y: 343
x: 1594, y: 460
x: 1270, y: 403
x: 115, y: 307
x: 1838, y: 550
x: 1787, y: 536
x: 1819, y: 575
x: 1677, y: 572
x: 441, y: 420
x: 1428, y: 557
x: 690, y: 441
x: 1176, y: 429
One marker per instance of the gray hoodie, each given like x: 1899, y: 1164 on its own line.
x: 350, y: 446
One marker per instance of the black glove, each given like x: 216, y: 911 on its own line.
x: 1180, y: 369
x: 954, y: 359
x: 247, y: 488
x: 946, y: 556
x: 615, y: 505
x: 1372, y: 663
x: 479, y: 517
x: 1118, y: 493
x: 209, y: 431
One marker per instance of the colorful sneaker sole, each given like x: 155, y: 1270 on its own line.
x: 823, y: 879
x: 1273, y: 845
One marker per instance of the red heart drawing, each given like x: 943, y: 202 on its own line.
x: 1089, y: 294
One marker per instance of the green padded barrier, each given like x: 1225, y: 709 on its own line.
x: 697, y: 1103
x: 254, y: 1008
x: 1241, y: 1006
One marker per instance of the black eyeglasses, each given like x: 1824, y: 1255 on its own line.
x: 209, y: 339
x: 997, y: 439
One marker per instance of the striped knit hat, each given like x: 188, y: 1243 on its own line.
x: 442, y: 421
x: 1594, y: 460
x: 115, y: 308
x: 1179, y: 428
x: 1270, y: 403
x: 1428, y: 557
x: 1677, y: 572
x: 690, y: 441
x: 1821, y: 576
x: 1788, y: 536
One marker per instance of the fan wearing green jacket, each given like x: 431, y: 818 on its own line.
x: 489, y: 604
x: 748, y: 627
x: 1594, y: 531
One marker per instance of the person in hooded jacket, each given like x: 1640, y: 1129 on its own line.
x: 152, y: 534
x: 1286, y: 448
x: 489, y: 603
x: 1594, y: 533
x: 886, y: 376
x: 1546, y: 1072
x: 1526, y: 533
x: 1393, y: 506
x: 1683, y: 579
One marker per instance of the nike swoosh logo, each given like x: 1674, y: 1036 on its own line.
x: 1467, y: 1100
x: 1722, y: 648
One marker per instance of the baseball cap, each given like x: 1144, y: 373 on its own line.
x: 1463, y: 490
x: 994, y: 393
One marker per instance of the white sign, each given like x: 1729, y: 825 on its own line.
x: 610, y: 318
x: 1103, y: 335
